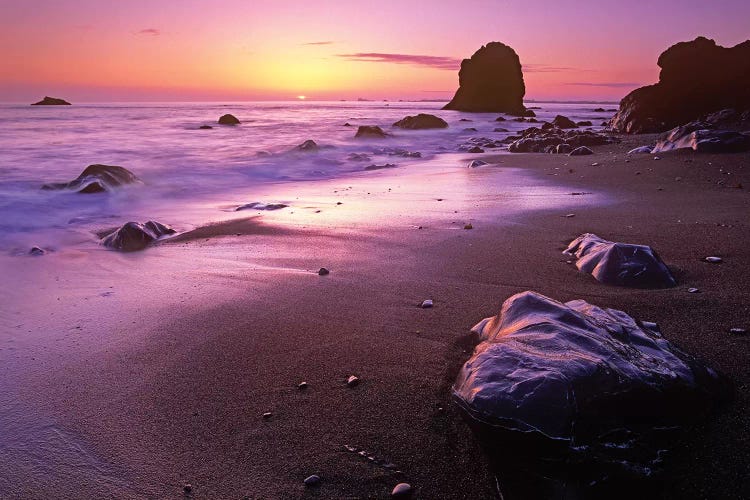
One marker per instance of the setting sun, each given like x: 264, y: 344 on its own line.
x: 301, y: 97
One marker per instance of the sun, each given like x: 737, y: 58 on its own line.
x: 301, y: 97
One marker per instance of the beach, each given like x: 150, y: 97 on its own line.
x: 137, y: 374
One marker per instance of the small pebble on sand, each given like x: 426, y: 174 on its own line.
x: 352, y: 381
x: 468, y: 226
x: 312, y: 481
x: 323, y: 271
x: 302, y: 386
x: 569, y: 215
x: 737, y: 331
x: 693, y: 290
x: 402, y: 490
x: 187, y: 488
x: 426, y: 304
x: 714, y: 260
x: 267, y: 415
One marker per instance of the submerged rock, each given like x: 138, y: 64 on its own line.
x: 135, y: 236
x: 577, y: 397
x: 421, y: 121
x: 372, y: 131
x: 51, y: 101
x: 490, y: 81
x: 97, y: 179
x: 37, y: 251
x: 380, y: 167
x: 477, y: 163
x: 205, y: 127
x: 619, y: 264
x: 700, y: 137
x: 257, y: 205
x: 228, y: 120
x: 309, y: 146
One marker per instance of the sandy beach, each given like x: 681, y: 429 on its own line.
x: 123, y: 396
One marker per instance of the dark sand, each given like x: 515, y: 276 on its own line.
x: 184, y: 402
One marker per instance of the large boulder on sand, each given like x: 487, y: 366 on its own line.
x: 701, y: 137
x: 135, y: 236
x: 51, y: 101
x: 620, y: 264
x: 228, y: 120
x: 491, y: 81
x: 421, y: 121
x: 97, y: 179
x: 578, y: 395
x: 371, y: 131
x: 697, y: 78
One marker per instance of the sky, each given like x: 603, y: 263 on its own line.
x: 236, y: 50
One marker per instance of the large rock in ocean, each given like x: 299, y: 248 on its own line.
x: 621, y: 264
x: 579, y: 396
x: 97, y: 179
x: 697, y: 78
x: 703, y: 138
x: 491, y: 81
x: 228, y: 119
x: 135, y: 236
x: 421, y: 121
x: 51, y: 101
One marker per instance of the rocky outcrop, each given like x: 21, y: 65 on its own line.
x: 228, y: 120
x: 561, y: 121
x: 490, y: 81
x: 536, y: 140
x: 97, y: 179
x: 135, y: 236
x: 620, y: 264
x: 701, y: 137
x: 370, y: 131
x: 51, y: 101
x: 697, y: 78
x: 580, y: 396
x: 421, y: 121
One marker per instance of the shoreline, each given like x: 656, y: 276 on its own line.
x: 132, y: 401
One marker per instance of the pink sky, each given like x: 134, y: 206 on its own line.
x: 93, y: 50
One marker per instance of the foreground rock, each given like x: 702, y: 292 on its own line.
x: 701, y: 137
x: 421, y: 121
x: 135, y: 236
x: 97, y: 179
x: 573, y: 397
x: 228, y: 120
x: 51, y: 101
x: 491, y: 81
x: 370, y: 131
x: 619, y: 264
x: 555, y: 140
x: 697, y: 77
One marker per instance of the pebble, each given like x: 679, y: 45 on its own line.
x: 657, y: 158
x: 323, y: 271
x: 595, y: 164
x: 312, y: 481
x: 402, y: 490
x: 737, y: 331
x: 352, y: 381
x: 267, y: 415
x: 569, y: 215
x: 302, y: 386
x: 187, y: 488
x: 714, y: 260
x: 693, y: 290
x: 426, y: 304
x: 468, y: 226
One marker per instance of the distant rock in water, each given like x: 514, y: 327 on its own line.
x: 421, y: 121
x: 370, y: 131
x: 97, y: 179
x: 701, y: 137
x: 620, y: 264
x: 309, y: 146
x: 51, y: 101
x: 380, y: 167
x: 205, y: 127
x: 228, y: 120
x: 561, y: 121
x: 135, y: 236
x: 571, y: 394
x: 491, y: 81
x: 697, y: 78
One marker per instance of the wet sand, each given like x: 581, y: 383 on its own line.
x: 159, y: 374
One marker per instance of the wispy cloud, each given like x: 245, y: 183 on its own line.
x: 320, y: 43
x: 149, y: 32
x: 546, y: 68
x: 438, y: 62
x: 606, y: 84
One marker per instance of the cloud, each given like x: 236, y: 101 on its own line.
x: 319, y: 43
x: 438, y: 62
x: 546, y: 68
x: 606, y: 84
x: 149, y: 32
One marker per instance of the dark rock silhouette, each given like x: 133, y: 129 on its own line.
x: 370, y: 131
x: 421, y: 121
x: 228, y: 120
x: 620, y: 264
x: 309, y: 146
x: 135, y: 236
x: 561, y: 121
x: 697, y: 78
x: 51, y: 101
x: 583, y: 396
x: 585, y: 123
x: 491, y: 81
x: 97, y: 179
x: 205, y: 127
x: 701, y: 137
x: 548, y: 138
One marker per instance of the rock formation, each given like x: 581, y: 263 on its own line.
x: 135, y: 236
x: 51, y: 101
x: 370, y: 131
x: 703, y: 138
x: 548, y: 140
x: 697, y: 78
x: 96, y: 179
x: 228, y: 120
x: 491, y: 81
x: 421, y: 121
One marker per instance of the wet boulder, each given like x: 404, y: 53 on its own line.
x: 97, y: 179
x: 228, y: 120
x: 581, y: 151
x: 421, y: 121
x: 51, y: 101
x: 135, y: 236
x: 620, y: 264
x: 309, y: 146
x: 490, y: 81
x: 370, y: 131
x: 574, y: 397
x: 561, y: 121
x: 703, y: 138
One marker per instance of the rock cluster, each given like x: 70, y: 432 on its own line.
x: 555, y: 140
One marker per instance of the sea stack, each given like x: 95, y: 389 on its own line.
x: 696, y: 78
x: 491, y: 81
x: 51, y: 101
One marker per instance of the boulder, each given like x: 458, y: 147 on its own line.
x: 228, y: 120
x: 547, y: 138
x: 490, y: 81
x: 309, y: 146
x: 585, y: 123
x: 581, y: 151
x: 579, y: 398
x: 701, y: 137
x: 696, y: 78
x: 51, y: 101
x: 561, y: 121
x: 135, y: 236
x: 370, y: 131
x: 97, y: 179
x: 421, y: 121
x: 620, y: 264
